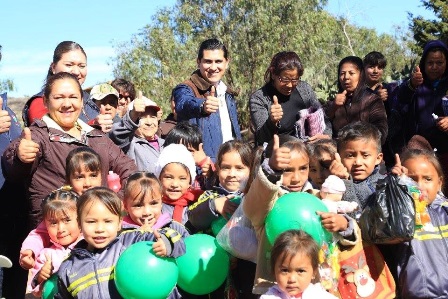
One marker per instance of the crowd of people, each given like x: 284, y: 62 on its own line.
x: 63, y: 215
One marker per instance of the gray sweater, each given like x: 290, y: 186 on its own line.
x: 139, y: 149
x: 260, y: 104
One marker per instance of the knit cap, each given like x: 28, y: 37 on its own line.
x: 176, y: 153
x: 333, y: 184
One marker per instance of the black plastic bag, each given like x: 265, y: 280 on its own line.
x: 389, y: 216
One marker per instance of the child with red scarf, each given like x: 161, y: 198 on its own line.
x: 176, y: 170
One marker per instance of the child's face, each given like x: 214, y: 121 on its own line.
x: 63, y: 227
x: 294, y: 275
x: 319, y: 169
x: 149, y: 124
x: 175, y: 181
x: 296, y: 174
x: 360, y: 158
x: 425, y: 174
x: 146, y: 211
x: 232, y: 173
x: 84, y: 180
x: 99, y: 225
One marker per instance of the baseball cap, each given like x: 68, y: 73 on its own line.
x: 101, y: 91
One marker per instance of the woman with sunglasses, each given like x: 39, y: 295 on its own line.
x: 274, y: 108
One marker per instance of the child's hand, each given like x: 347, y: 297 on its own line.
x: 398, y: 169
x: 333, y: 222
x: 26, y: 259
x: 281, y: 156
x: 159, y: 246
x: 338, y: 169
x: 147, y: 224
x: 224, y: 206
x: 46, y: 270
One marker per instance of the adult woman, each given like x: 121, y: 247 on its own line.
x: 39, y: 156
x: 67, y: 57
x: 274, y: 108
x: 355, y: 102
x: 423, y: 95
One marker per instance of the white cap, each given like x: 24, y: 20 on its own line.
x: 176, y: 153
x: 333, y: 184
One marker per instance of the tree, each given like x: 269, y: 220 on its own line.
x: 163, y: 54
x: 425, y: 30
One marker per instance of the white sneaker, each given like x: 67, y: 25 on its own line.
x: 5, y: 262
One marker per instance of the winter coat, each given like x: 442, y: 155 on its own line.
x: 47, y: 172
x: 137, y: 148
x: 260, y: 104
x: 86, y: 274
x: 368, y: 108
x: 189, y: 97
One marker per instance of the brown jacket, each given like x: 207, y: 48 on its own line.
x: 369, y: 109
x: 47, y: 172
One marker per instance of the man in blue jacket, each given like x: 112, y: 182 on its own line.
x: 206, y: 101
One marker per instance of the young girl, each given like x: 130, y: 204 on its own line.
x: 59, y: 212
x: 88, y: 271
x: 82, y: 172
x: 143, y: 204
x: 176, y: 171
x: 418, y: 263
x: 233, y: 164
x: 321, y: 153
x: 294, y: 262
x: 285, y: 171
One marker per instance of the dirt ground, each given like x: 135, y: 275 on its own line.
x: 16, y: 104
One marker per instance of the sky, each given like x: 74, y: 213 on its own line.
x: 30, y: 30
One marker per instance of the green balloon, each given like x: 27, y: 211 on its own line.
x: 50, y: 287
x: 218, y: 224
x: 141, y: 274
x: 297, y: 210
x: 204, y: 266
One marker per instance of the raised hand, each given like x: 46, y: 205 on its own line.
x: 276, y: 112
x: 159, y: 246
x: 337, y: 168
x: 398, y: 169
x: 281, y: 156
x: 46, y: 270
x: 382, y: 92
x: 26, y: 259
x: 340, y: 98
x: 104, y: 121
x: 28, y: 149
x: 416, y: 77
x: 5, y: 119
x: 211, y: 103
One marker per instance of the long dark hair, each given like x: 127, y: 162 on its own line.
x: 361, y: 87
x: 283, y: 61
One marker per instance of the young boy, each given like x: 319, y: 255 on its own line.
x: 357, y: 161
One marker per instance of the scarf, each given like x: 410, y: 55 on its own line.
x: 187, y: 198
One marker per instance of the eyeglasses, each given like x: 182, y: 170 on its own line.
x: 287, y: 80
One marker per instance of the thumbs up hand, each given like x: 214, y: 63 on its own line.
x: 139, y: 103
x: 398, y: 169
x: 46, y: 270
x: 211, y: 103
x: 416, y: 77
x: 382, y: 92
x: 341, y: 98
x: 159, y: 246
x: 338, y: 169
x: 5, y: 119
x: 276, y: 112
x: 281, y: 156
x: 28, y: 149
